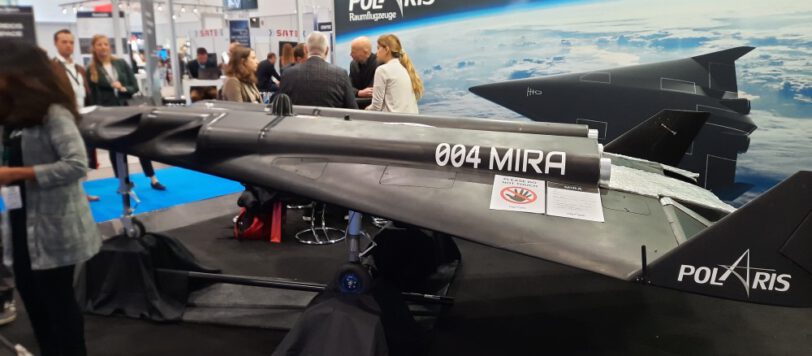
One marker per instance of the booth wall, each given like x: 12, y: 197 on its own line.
x: 458, y: 44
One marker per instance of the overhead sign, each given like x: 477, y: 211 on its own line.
x: 325, y: 26
x: 17, y: 22
x: 208, y: 33
x: 239, y: 31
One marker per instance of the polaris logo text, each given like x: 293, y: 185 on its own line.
x: 372, y: 5
x: 751, y: 278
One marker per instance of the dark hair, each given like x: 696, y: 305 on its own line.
x: 29, y: 84
x: 299, y: 51
x: 201, y: 50
x: 63, y: 31
x: 236, y: 65
x: 271, y: 55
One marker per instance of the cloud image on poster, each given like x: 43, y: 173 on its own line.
x: 454, y: 51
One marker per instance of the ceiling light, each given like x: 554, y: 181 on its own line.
x: 160, y: 7
x: 183, y: 9
x: 64, y: 10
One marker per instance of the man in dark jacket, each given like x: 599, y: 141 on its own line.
x: 203, y: 61
x: 316, y: 82
x: 266, y: 73
x: 362, y: 67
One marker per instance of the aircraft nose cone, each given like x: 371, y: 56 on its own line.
x: 487, y: 91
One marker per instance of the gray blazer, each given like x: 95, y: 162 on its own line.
x: 318, y: 83
x: 60, y: 227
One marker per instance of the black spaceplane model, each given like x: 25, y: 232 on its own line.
x: 618, y: 99
x: 546, y: 190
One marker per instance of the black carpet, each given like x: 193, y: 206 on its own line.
x: 507, y: 304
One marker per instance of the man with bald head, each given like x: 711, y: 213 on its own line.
x: 362, y: 67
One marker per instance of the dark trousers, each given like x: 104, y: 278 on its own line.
x: 51, y: 305
x: 92, y: 159
x: 146, y: 165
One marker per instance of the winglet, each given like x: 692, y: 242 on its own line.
x: 663, y: 138
x: 762, y: 253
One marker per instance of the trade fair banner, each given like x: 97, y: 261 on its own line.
x: 17, y: 22
x: 458, y: 44
x: 239, y: 31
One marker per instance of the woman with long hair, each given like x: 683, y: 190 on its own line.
x: 287, y: 57
x: 397, y: 87
x: 241, y: 79
x: 112, y: 83
x: 44, y: 160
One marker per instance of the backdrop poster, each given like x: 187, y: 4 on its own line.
x: 89, y: 24
x: 17, y: 22
x: 458, y: 44
x: 239, y: 30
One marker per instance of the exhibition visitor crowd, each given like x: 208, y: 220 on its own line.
x: 45, y: 159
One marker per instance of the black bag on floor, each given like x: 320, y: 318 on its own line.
x: 122, y: 278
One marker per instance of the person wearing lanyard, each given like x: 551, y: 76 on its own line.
x: 49, y: 228
x: 64, y: 42
x: 112, y: 82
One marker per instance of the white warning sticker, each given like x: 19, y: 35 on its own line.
x: 518, y: 194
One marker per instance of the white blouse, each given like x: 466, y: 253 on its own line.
x: 392, y: 89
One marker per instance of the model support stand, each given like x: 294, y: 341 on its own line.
x: 320, y: 234
x: 132, y: 226
x: 353, y: 277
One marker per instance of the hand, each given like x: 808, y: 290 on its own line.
x: 365, y: 93
x: 7, y: 175
x: 117, y: 85
x: 10, y: 175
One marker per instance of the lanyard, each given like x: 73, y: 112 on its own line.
x: 75, y: 79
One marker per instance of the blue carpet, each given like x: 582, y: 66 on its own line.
x: 182, y: 186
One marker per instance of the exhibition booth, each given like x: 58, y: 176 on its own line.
x: 577, y: 177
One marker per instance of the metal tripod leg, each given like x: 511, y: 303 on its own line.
x: 132, y: 227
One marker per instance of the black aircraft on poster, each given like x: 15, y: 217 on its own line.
x: 615, y: 100
x: 617, y: 215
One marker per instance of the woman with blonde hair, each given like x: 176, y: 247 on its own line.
x: 112, y: 83
x: 241, y: 80
x: 397, y: 87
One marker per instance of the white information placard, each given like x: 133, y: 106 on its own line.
x: 518, y: 194
x: 574, y: 201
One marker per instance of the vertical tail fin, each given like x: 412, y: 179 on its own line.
x: 721, y: 67
x: 663, y: 138
x: 762, y: 253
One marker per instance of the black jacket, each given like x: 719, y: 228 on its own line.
x: 363, y: 75
x: 102, y: 92
x: 265, y: 72
x: 194, y: 67
x: 318, y: 83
